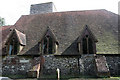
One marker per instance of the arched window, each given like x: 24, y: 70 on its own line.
x: 49, y: 43
x: 87, y: 45
x: 13, y: 47
x: 86, y: 42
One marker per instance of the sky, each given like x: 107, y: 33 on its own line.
x: 12, y: 10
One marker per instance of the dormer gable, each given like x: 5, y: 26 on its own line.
x: 21, y: 37
x: 50, y: 33
x: 87, y: 42
x: 86, y: 31
x: 49, y: 43
x: 15, y: 42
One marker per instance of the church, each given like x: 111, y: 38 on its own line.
x: 78, y: 43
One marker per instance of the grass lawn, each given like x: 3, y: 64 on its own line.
x: 112, y: 78
x: 76, y: 79
x: 68, y: 77
x: 95, y: 79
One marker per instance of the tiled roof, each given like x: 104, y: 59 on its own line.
x: 5, y: 33
x: 67, y: 27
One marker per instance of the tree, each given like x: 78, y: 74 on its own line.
x: 2, y: 21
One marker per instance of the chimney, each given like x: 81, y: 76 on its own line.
x: 42, y: 8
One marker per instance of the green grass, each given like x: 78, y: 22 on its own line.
x: 63, y: 77
x: 69, y: 76
x: 111, y: 78
x: 15, y: 76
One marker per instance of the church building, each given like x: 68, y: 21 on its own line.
x: 78, y: 43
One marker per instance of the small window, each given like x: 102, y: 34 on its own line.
x: 48, y: 44
x: 10, y: 49
x: 13, y: 47
x: 87, y: 45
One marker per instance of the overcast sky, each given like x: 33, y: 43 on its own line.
x: 11, y: 10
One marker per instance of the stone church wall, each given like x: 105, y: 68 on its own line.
x: 13, y: 65
x: 78, y: 65
x: 114, y: 65
x: 70, y: 65
x: 84, y: 65
x: 87, y: 67
x: 67, y: 65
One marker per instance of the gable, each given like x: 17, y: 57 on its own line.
x: 18, y: 35
x: 51, y: 34
x: 87, y: 31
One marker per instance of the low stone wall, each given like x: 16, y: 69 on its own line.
x: 13, y: 65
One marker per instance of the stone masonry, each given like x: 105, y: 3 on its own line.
x: 13, y: 65
x: 67, y: 65
x: 42, y: 8
x: 83, y: 65
x: 114, y: 65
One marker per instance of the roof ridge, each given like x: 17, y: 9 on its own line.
x: 67, y: 11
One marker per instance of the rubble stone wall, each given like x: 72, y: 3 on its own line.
x: 13, y: 65
x: 42, y: 8
x: 88, y: 65
x: 78, y: 65
x: 67, y: 65
x: 83, y: 65
x: 114, y: 65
